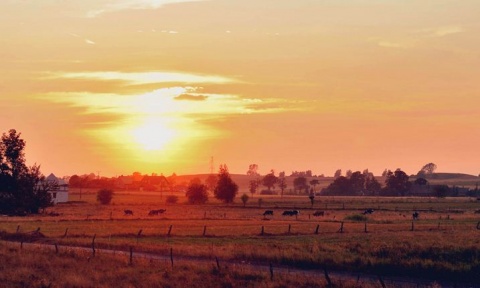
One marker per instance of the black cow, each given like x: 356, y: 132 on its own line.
x: 128, y: 212
x: 368, y: 211
x: 415, y: 215
x: 290, y: 213
x: 319, y: 213
x: 268, y: 212
x: 156, y: 212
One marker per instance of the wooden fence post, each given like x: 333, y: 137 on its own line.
x: 218, y: 263
x: 93, y: 244
x: 18, y: 228
x: 131, y: 256
x: 381, y: 281
x: 365, y: 230
x: 171, y: 256
x: 271, y: 271
x: 65, y: 234
x: 329, y: 281
x: 139, y: 234
x: 204, y: 230
x: 413, y: 226
x: 341, y: 228
x: 318, y: 227
x: 289, y: 228
x: 169, y: 230
x: 263, y: 230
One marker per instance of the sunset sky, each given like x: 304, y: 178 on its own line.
x: 162, y: 85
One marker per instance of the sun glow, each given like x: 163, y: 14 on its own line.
x: 153, y: 134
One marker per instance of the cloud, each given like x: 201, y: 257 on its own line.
x: 190, y: 97
x: 388, y: 44
x: 442, y: 31
x: 90, y: 42
x: 140, y: 78
x: 116, y: 5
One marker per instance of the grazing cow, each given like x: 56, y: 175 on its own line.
x: 128, y: 212
x: 290, y: 213
x: 156, y: 212
x: 152, y: 212
x: 319, y: 213
x: 415, y: 215
x: 268, y: 212
x: 368, y: 211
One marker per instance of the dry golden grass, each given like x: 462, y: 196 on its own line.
x: 444, y: 244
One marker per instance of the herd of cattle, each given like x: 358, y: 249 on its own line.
x: 318, y: 213
x: 128, y: 212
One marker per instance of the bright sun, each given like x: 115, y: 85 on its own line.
x: 153, y: 134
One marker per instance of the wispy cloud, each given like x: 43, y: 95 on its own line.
x: 138, y: 78
x: 116, y: 5
x: 191, y: 97
x: 442, y: 31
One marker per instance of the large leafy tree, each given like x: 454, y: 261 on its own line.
x: 226, y: 189
x: 300, y: 183
x: 270, y: 180
x: 397, y: 183
x: 197, y: 193
x: 22, y: 189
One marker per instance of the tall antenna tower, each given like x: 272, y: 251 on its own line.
x: 212, y: 166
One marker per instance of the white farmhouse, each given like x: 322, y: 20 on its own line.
x: 59, y: 195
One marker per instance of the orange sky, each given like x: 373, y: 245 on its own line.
x: 162, y: 85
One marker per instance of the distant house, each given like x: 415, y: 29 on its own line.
x: 60, y: 193
x: 154, y: 183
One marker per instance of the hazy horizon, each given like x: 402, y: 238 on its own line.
x: 163, y: 85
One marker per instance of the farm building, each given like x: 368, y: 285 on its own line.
x: 60, y: 194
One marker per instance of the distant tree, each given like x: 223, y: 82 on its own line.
x: 340, y: 186
x: 397, y: 183
x: 226, y: 189
x: 300, y: 183
x: 348, y: 174
x: 282, y: 183
x: 270, y: 180
x: 244, y: 199
x: 385, y: 173
x: 420, y: 181
x: 314, y: 183
x: 281, y: 174
x: 372, y: 186
x: 428, y: 169
x: 260, y: 202
x: 253, y: 186
x: 357, y: 182
x: 311, y: 196
x: 441, y: 191
x: 104, y: 196
x: 252, y: 170
x: 197, y: 193
x: 308, y: 173
x: 338, y: 173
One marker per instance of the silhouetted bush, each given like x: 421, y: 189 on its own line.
x: 171, y: 199
x: 104, y: 196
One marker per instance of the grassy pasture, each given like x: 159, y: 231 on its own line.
x: 444, y: 243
